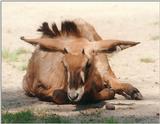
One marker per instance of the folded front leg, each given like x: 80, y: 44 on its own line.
x: 60, y: 97
x: 124, y: 89
x: 104, y: 94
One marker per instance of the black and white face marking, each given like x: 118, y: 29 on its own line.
x: 76, y: 66
x: 76, y: 82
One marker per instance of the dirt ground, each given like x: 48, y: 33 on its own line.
x: 138, y: 65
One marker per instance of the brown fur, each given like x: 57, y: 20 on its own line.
x: 46, y: 75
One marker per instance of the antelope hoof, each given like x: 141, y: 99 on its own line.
x: 22, y: 38
x: 133, y: 94
x: 137, y: 95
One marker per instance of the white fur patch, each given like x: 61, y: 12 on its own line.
x: 79, y: 91
x: 68, y: 76
x: 82, y: 75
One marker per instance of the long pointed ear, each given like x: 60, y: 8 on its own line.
x: 49, y: 43
x: 106, y: 45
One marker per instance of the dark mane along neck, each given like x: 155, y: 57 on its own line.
x: 68, y: 28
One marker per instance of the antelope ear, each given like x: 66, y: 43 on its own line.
x: 48, y: 43
x: 28, y: 41
x: 110, y: 45
x: 118, y: 48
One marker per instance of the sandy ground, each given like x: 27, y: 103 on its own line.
x: 127, y: 21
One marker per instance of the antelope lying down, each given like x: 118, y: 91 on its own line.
x: 70, y: 66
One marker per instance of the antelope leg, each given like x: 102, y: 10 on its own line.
x: 104, y: 94
x: 60, y: 97
x: 124, y: 89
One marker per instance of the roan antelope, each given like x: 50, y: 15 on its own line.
x: 69, y: 66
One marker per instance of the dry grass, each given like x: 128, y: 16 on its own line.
x: 13, y: 56
x: 147, y: 60
x: 155, y: 37
x: 17, y: 58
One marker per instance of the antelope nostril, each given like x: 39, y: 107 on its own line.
x: 73, y: 97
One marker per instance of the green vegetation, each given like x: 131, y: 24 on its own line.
x: 111, y: 120
x: 17, y: 58
x: 13, y: 56
x: 147, y: 60
x: 25, y: 116
x: 29, y: 117
x: 9, y: 56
